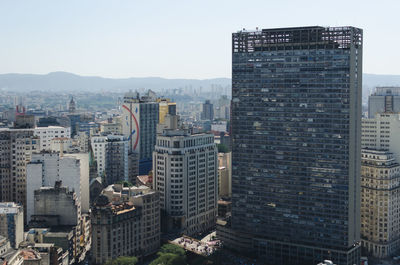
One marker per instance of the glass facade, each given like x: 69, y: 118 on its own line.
x: 296, y: 111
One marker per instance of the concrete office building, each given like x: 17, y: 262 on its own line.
x: 125, y: 222
x: 208, y: 111
x: 185, y: 169
x: 165, y: 107
x: 83, y: 142
x: 45, y: 169
x: 56, y: 206
x: 110, y: 127
x: 90, y: 128
x: 61, y: 144
x: 111, y: 154
x: 133, y: 167
x: 224, y: 182
x: 116, y: 159
x: 225, y: 174
x: 382, y: 133
x: 16, y: 148
x: 57, y: 209
x: 296, y: 137
x: 24, y: 121
x: 384, y: 99
x: 46, y: 134
x: 12, y: 222
x: 380, y: 203
x: 140, y: 117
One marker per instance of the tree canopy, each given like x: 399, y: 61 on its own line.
x: 172, y: 249
x: 169, y: 259
x: 170, y: 254
x: 125, y: 183
x: 123, y: 261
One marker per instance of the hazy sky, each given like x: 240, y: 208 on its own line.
x: 173, y: 39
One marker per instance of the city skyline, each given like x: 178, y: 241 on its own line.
x: 170, y: 39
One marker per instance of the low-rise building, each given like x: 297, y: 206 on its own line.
x: 107, y: 128
x: 58, y: 209
x: 4, y: 245
x: 63, y: 238
x: 61, y: 144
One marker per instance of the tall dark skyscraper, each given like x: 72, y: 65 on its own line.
x: 296, y: 119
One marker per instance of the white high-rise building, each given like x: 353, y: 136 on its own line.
x: 139, y: 125
x: 382, y: 133
x: 46, y: 134
x: 98, y: 144
x: 185, y: 169
x: 47, y: 168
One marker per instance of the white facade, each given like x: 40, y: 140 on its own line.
x: 384, y: 99
x: 110, y: 128
x: 47, y: 168
x: 139, y: 123
x: 220, y: 126
x: 61, y: 144
x: 382, y: 133
x: 99, y: 150
x: 185, y: 169
x: 46, y: 134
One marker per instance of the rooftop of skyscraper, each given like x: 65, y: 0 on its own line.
x: 386, y: 90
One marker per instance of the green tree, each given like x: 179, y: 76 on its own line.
x: 125, y: 183
x: 123, y: 261
x: 172, y: 249
x: 169, y: 259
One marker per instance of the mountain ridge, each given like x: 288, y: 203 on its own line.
x: 65, y: 81
x: 68, y: 82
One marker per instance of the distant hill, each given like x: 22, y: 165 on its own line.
x: 65, y: 82
x: 381, y: 80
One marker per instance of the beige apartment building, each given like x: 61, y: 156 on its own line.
x: 125, y: 222
x: 380, y: 203
x: 185, y: 169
